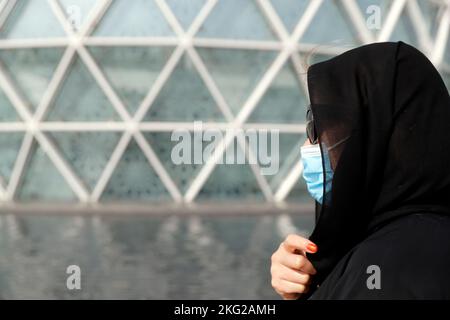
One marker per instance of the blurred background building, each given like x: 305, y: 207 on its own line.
x: 90, y: 94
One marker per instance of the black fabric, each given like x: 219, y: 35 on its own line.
x: 382, y: 113
x: 412, y: 254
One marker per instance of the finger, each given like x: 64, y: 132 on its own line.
x: 295, y: 276
x: 288, y: 287
x: 290, y: 296
x: 295, y: 242
x: 298, y: 262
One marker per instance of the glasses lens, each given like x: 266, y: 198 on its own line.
x: 310, y: 130
x: 309, y: 116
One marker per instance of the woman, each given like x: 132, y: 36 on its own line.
x: 379, y: 127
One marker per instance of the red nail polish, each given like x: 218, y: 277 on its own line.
x: 312, y: 248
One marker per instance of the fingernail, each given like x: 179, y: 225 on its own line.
x: 311, y: 248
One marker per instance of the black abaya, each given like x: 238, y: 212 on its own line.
x: 382, y: 115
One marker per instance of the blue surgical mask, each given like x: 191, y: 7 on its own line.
x: 313, y: 171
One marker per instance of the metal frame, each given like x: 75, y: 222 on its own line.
x: 131, y: 127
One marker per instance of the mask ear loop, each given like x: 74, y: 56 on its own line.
x: 338, y: 143
x: 320, y: 207
x: 324, y: 155
x: 327, y: 150
x: 326, y: 167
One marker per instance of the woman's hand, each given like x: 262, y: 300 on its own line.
x: 291, y: 270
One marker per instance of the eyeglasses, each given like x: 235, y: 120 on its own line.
x: 310, y: 129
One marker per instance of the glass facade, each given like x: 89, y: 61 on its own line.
x: 90, y: 91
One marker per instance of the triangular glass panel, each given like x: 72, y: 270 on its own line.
x: 31, y: 70
x: 184, y: 97
x: 299, y: 193
x: 186, y: 11
x: 31, y: 19
x: 374, y: 11
x: 165, y: 143
x: 431, y: 11
x: 231, y: 180
x: 132, y: 70
x: 283, y: 102
x: 365, y: 6
x: 236, y: 72
x: 77, y: 11
x: 404, y: 30
x: 247, y: 20
x: 81, y: 99
x: 446, y: 77
x: 318, y: 57
x: 10, y: 144
x: 87, y: 152
x: 281, y: 154
x: 7, y: 111
x: 341, y: 33
x: 290, y: 11
x: 134, y: 179
x: 43, y: 182
x: 137, y: 18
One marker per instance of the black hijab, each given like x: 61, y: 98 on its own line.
x: 388, y: 110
